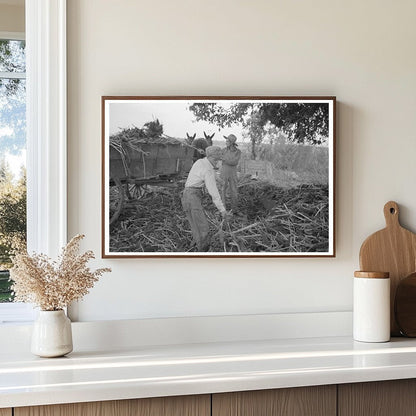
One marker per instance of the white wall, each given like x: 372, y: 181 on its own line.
x: 363, y: 52
x: 12, y: 18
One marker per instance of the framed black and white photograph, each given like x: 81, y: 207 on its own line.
x: 218, y: 176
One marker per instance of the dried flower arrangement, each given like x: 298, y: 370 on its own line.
x: 53, y: 285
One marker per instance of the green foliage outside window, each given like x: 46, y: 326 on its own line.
x: 12, y: 223
x: 12, y: 145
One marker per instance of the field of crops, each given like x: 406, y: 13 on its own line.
x: 269, y: 219
x: 288, y: 165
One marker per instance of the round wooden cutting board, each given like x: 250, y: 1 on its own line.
x: 405, y: 306
x: 393, y: 250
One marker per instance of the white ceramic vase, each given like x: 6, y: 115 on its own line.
x: 52, y: 334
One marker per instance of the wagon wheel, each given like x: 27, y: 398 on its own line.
x: 135, y: 190
x: 116, y: 200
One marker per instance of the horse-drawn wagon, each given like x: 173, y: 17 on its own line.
x: 139, y: 158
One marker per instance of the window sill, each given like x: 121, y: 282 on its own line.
x: 16, y: 313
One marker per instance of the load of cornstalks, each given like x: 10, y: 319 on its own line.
x: 269, y: 219
x: 134, y: 137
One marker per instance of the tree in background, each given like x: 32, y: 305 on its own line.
x: 302, y: 123
x: 12, y: 223
x: 12, y: 213
x: 12, y: 142
x: 254, y: 131
x: 12, y: 98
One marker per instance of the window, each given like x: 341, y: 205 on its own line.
x: 46, y: 135
x: 12, y: 165
x: 12, y: 153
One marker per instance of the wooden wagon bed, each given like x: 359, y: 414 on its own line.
x: 143, y: 158
x: 136, y: 161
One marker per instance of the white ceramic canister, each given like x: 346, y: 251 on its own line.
x: 371, y: 309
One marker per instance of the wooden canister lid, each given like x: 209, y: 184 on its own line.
x: 372, y: 275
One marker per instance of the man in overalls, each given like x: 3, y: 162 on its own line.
x: 230, y: 158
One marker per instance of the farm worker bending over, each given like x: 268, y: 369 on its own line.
x: 230, y: 158
x: 202, y: 174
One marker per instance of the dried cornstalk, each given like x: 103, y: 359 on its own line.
x: 270, y: 219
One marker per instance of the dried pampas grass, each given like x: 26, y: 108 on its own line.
x: 53, y: 285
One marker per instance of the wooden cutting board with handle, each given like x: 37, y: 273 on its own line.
x: 393, y: 250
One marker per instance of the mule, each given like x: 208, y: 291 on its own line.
x: 200, y: 144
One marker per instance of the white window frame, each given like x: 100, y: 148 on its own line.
x: 46, y: 125
x: 46, y: 133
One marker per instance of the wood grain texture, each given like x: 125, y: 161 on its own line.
x: 393, y: 250
x: 382, y: 398
x: 372, y: 275
x: 5, y: 412
x: 299, y: 401
x: 405, y: 305
x: 160, y: 406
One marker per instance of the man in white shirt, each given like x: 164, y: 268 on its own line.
x: 202, y: 174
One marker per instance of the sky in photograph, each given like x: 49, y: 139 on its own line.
x: 177, y: 120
